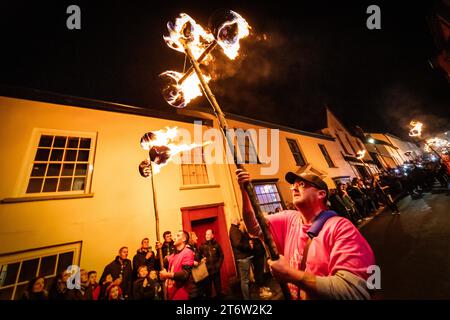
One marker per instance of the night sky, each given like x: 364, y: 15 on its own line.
x: 297, y: 59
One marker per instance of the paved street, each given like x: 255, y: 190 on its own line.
x: 412, y: 249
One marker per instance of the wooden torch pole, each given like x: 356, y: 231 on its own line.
x: 155, y: 207
x: 267, y: 236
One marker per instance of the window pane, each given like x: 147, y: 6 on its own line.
x: 42, y: 154
x: 50, y: 185
x: 71, y: 155
x: 49, y: 282
x: 34, y: 185
x: 68, y: 169
x: 39, y: 170
x: 6, y: 294
x: 20, y: 290
x: 53, y: 170
x: 83, y: 155
x: 60, y: 142
x: 78, y: 184
x: 46, y: 141
x: 29, y: 270
x: 65, y: 260
x: 57, y: 155
x: 73, y: 143
x: 65, y: 184
x: 85, y: 143
x: 9, y: 274
x: 81, y: 170
x: 48, y: 265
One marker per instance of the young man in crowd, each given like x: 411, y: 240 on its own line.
x: 120, y: 268
x: 178, y: 274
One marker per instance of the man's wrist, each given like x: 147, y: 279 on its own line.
x: 296, y: 276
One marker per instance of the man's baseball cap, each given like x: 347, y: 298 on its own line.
x: 310, y: 178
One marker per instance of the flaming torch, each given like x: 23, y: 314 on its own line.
x: 416, y: 131
x: 360, y: 156
x: 161, y: 149
x: 227, y: 28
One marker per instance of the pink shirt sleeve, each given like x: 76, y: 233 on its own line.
x: 349, y: 250
x: 188, y: 258
x: 278, y: 224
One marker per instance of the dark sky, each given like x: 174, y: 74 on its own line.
x: 314, y: 54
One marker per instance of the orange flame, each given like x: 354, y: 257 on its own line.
x: 416, y: 130
x: 230, y: 33
x: 166, y: 138
x: 361, y: 154
x: 186, y: 29
x: 180, y: 94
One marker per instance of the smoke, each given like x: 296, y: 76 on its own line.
x: 401, y: 105
x: 273, y: 73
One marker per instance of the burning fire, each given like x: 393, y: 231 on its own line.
x: 437, y: 143
x: 179, y: 94
x: 231, y: 32
x: 361, y: 154
x: 162, y: 148
x: 416, y: 131
x: 186, y: 29
x: 227, y: 29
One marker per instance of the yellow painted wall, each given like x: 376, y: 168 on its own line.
x: 309, y: 147
x: 121, y: 211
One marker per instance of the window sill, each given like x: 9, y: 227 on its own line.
x: 45, y: 198
x: 199, y: 186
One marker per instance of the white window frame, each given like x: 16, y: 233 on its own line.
x: 211, y: 181
x: 31, y: 153
x: 19, y: 257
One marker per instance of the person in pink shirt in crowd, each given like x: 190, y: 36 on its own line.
x: 179, y: 280
x: 322, y: 255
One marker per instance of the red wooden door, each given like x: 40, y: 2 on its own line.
x: 201, y: 219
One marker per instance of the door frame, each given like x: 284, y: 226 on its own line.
x: 221, y: 234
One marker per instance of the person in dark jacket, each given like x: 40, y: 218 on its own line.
x: 144, y: 257
x: 198, y: 288
x: 258, y: 262
x: 211, y: 251
x: 120, y: 268
x: 358, y: 197
x: 93, y: 288
x: 36, y: 290
x: 59, y: 286
x: 167, y: 247
x: 144, y: 288
x: 337, y: 204
x: 240, y: 242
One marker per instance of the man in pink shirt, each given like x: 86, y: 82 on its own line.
x: 179, y: 277
x: 322, y: 255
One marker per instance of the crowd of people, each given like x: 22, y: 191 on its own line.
x: 143, y: 277
x: 359, y: 199
x: 168, y: 272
